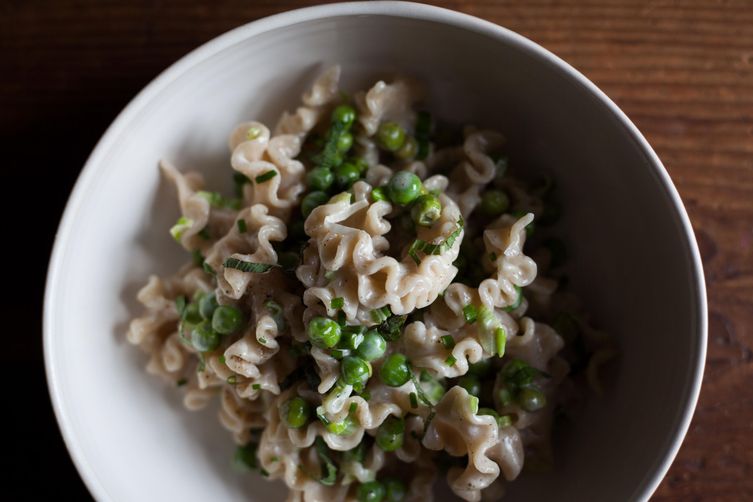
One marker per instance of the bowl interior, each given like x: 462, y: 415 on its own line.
x: 631, y: 258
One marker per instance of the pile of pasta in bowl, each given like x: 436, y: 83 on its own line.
x: 364, y: 306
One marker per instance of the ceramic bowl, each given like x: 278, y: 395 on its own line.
x: 634, y: 259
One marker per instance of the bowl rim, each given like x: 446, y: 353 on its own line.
x: 396, y: 9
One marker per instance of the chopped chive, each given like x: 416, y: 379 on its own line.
x: 248, y: 266
x: 198, y: 259
x: 501, y: 340
x: 180, y: 305
x: 221, y: 359
x: 239, y: 179
x: 470, y: 313
x: 264, y: 472
x: 266, y: 176
x: 180, y: 227
x: 232, y: 379
x: 448, y: 341
x: 339, y: 353
x: 435, y: 249
x: 181, y: 382
x: 253, y: 133
x: 209, y: 270
x: 329, y: 469
x: 413, y: 400
x: 262, y: 340
x: 353, y: 407
x: 473, y: 402
x: 337, y: 303
x: 242, y: 228
x: 380, y: 315
x: 518, y: 299
x: 256, y: 386
x: 450, y: 361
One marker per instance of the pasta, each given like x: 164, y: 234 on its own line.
x: 373, y: 309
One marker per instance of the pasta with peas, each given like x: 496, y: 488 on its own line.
x: 373, y: 308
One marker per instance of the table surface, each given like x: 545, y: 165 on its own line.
x: 682, y: 71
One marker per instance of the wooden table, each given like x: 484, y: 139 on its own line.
x: 683, y: 71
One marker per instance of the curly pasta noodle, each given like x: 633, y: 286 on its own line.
x: 369, y: 310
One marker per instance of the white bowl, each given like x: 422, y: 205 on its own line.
x: 634, y: 258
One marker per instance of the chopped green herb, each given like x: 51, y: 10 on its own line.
x: 209, y: 270
x: 413, y: 400
x: 329, y: 469
x: 470, y: 313
x: 239, y: 179
x: 392, y: 327
x: 353, y: 407
x: 248, y: 266
x: 337, y: 303
x: 518, y: 300
x: 198, y: 259
x: 435, y: 249
x: 180, y: 227
x: 221, y: 359
x: 253, y: 133
x: 232, y: 379
x: 501, y: 340
x: 266, y: 176
x: 448, y: 341
x: 450, y: 361
x: 180, y: 305
x: 181, y: 382
x: 256, y: 386
x: 473, y: 402
x: 380, y: 315
x: 242, y: 228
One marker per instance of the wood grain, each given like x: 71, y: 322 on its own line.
x: 683, y: 71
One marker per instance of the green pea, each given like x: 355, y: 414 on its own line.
x: 296, y: 412
x: 396, y: 490
x: 426, y: 210
x: 372, y: 347
x: 355, y: 370
x: 192, y: 315
x: 345, y: 115
x: 505, y: 396
x: 227, y: 319
x: 207, y: 305
x: 378, y: 194
x: 361, y: 164
x: 344, y: 142
x: 408, y: 150
x: 373, y: 491
x: 312, y: 201
x: 480, y: 368
x: 531, y: 399
x: 470, y: 383
x: 323, y: 332
x: 352, y: 337
x: 389, y: 436
x: 346, y: 174
x: 204, y: 338
x: 395, y: 371
x: 391, y: 136
x: 494, y: 202
x: 320, y: 178
x: 404, y: 187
